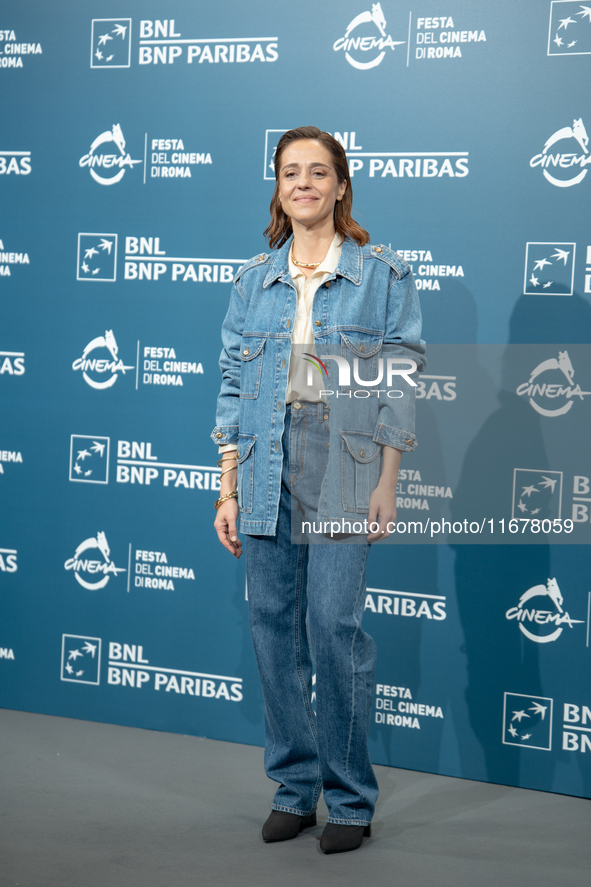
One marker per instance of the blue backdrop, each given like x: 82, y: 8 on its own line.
x: 136, y: 169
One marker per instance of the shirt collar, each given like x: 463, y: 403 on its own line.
x: 349, y: 265
x: 328, y: 264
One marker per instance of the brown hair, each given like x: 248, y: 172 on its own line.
x: 279, y: 228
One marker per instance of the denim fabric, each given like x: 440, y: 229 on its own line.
x: 306, y: 605
x: 370, y: 301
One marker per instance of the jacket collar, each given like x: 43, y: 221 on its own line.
x: 350, y: 264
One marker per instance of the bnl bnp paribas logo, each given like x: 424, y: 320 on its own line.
x: 546, y: 387
x: 89, y: 458
x: 537, y: 493
x: 162, y: 43
x: 527, y: 721
x: 381, y: 164
x: 110, y: 43
x: 107, y: 166
x: 97, y: 257
x: 569, y: 32
x: 565, y: 156
x: 136, y: 464
x: 549, y: 269
x: 81, y: 659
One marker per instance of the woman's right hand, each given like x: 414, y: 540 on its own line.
x: 225, y: 525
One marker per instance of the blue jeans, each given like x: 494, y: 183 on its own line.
x: 306, y: 603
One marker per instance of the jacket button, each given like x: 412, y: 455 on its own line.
x: 279, y: 405
x: 297, y: 405
x: 261, y: 257
x: 362, y: 454
x: 318, y: 322
x: 379, y: 249
x: 327, y: 284
x: 362, y: 347
x: 409, y: 442
x: 288, y: 323
x: 245, y: 351
x: 219, y: 434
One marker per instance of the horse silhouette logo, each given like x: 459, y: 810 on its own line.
x: 539, y: 389
x: 563, y: 364
x: 106, y: 341
x: 114, y: 135
x: 89, y: 567
x: 361, y: 44
x: 576, y: 131
x: 99, y: 366
x: 100, y: 542
x: 525, y: 614
x: 551, y: 589
x: 120, y: 160
x: 565, y: 160
x: 376, y: 15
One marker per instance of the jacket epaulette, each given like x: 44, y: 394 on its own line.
x: 387, y: 255
x: 252, y: 263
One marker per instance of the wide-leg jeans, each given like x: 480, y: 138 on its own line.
x: 306, y: 603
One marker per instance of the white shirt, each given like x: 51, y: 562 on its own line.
x: 297, y: 387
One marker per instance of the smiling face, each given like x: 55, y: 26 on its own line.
x: 308, y: 183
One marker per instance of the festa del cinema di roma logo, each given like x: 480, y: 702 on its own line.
x: 564, y: 163
x: 552, y: 390
x: 556, y: 616
x: 88, y: 567
x: 357, y: 42
x: 98, y: 366
x: 114, y: 164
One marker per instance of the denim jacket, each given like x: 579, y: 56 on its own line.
x: 367, y: 308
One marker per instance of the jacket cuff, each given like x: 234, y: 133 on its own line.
x: 225, y: 434
x: 394, y: 437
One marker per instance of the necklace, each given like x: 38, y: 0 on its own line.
x: 304, y: 264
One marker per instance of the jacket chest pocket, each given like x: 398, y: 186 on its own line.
x: 245, y: 458
x: 251, y: 365
x: 360, y: 469
x: 362, y: 352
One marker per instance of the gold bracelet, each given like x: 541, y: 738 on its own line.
x: 219, y: 462
x: 232, y: 495
x: 225, y: 471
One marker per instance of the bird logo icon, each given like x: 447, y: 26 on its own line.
x: 110, y: 43
x: 81, y: 659
x: 527, y: 721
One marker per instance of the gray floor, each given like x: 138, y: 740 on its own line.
x: 93, y: 805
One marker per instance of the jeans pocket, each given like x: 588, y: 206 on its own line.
x: 360, y: 469
x: 251, y: 356
x: 362, y: 351
x: 245, y: 457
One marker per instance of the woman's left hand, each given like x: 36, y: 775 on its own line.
x: 382, y: 510
x: 382, y: 502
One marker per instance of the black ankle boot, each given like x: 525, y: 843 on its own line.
x: 340, y: 838
x: 282, y: 826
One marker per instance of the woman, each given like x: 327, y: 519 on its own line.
x: 325, y: 287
